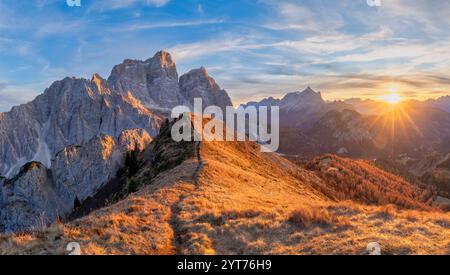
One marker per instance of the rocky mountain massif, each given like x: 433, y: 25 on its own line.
x: 229, y: 198
x: 69, y: 141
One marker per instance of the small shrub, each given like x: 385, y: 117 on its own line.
x: 306, y: 217
x: 411, y: 216
x: 132, y: 185
x: 387, y: 211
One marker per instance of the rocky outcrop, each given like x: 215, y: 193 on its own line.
x: 81, y: 170
x: 37, y: 195
x: 28, y: 200
x: 154, y: 81
x: 198, y: 84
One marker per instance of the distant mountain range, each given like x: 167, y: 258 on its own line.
x: 310, y: 126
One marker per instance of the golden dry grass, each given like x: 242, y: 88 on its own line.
x: 243, y: 202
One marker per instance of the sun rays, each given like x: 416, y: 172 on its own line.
x: 395, y: 123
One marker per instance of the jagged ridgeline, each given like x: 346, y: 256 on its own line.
x: 63, y: 146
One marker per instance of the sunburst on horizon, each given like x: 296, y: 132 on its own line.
x: 395, y: 117
x: 392, y: 98
x: 392, y: 95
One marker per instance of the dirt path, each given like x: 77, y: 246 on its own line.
x: 176, y: 209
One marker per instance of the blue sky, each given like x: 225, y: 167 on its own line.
x: 253, y: 48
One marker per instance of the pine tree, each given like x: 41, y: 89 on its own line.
x: 76, y: 203
x: 131, y: 162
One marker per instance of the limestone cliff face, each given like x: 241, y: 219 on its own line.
x: 77, y: 132
x: 70, y: 112
x: 29, y: 200
x: 154, y: 81
x: 37, y: 195
x: 198, y: 84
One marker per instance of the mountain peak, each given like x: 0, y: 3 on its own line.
x: 307, y: 94
x: 96, y: 78
x: 199, y: 72
x: 197, y: 83
x: 164, y: 58
x: 99, y: 82
x: 300, y: 100
x: 154, y: 81
x: 312, y: 95
x: 309, y: 90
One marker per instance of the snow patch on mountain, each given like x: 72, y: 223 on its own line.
x: 43, y: 154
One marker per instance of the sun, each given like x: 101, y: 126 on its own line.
x: 392, y: 98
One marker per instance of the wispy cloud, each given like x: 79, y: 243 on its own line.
x: 174, y: 24
x: 296, y: 16
x: 430, y: 16
x: 416, y: 53
x: 60, y: 28
x: 11, y: 95
x: 120, y: 4
x: 186, y: 52
x: 3, y: 85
